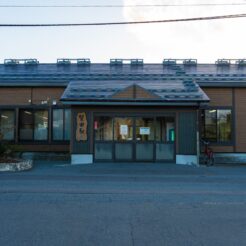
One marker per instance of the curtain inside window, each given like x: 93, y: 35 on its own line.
x: 58, y: 124
x: 7, y: 124
x: 41, y: 125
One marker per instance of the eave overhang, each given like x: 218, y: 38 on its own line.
x: 164, y: 93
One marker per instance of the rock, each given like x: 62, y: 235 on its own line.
x: 15, y: 167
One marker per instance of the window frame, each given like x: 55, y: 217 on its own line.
x: 61, y: 141
x: 15, y: 126
x: 134, y: 116
x: 202, y: 125
x: 95, y: 130
x: 33, y: 110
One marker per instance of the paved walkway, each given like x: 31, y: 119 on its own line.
x: 123, y: 204
x: 122, y: 169
x: 132, y: 169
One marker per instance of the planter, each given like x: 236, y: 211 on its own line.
x: 22, y: 165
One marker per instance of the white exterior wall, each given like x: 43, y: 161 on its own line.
x: 186, y: 160
x: 77, y: 159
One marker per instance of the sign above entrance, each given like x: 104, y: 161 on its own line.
x: 123, y: 129
x: 144, y: 130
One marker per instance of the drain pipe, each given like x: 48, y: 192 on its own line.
x: 198, y: 137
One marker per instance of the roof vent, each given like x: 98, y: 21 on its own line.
x: 137, y: 61
x: 223, y: 62
x: 31, y: 62
x: 116, y: 61
x: 21, y: 61
x: 169, y: 62
x: 11, y: 61
x: 190, y: 62
x: 63, y: 61
x: 179, y: 62
x: 241, y: 62
x: 84, y: 61
x: 126, y: 61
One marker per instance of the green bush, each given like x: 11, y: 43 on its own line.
x: 3, y: 149
x: 7, y: 149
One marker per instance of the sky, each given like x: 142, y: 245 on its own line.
x: 204, y: 40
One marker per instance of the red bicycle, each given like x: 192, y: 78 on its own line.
x: 208, y: 154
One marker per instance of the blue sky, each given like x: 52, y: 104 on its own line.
x: 206, y: 41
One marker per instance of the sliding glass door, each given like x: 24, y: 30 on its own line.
x: 134, y: 138
x: 123, y: 139
x: 145, y: 137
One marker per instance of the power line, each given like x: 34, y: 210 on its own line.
x: 123, y: 6
x: 220, y: 17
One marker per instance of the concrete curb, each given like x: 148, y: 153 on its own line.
x: 16, y: 167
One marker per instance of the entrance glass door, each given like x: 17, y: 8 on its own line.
x: 145, y: 136
x: 123, y: 138
x: 165, y: 138
x: 134, y: 138
x: 103, y: 137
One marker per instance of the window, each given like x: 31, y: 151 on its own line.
x: 33, y: 124
x: 123, y: 129
x: 103, y: 127
x: 217, y: 125
x: 145, y: 129
x: 224, y: 125
x: 41, y: 125
x: 61, y: 124
x: 7, y: 124
x: 165, y: 131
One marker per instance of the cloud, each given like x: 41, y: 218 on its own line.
x: 205, y: 40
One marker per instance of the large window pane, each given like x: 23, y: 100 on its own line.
x: 67, y: 128
x: 103, y: 127
x: 165, y: 129
x: 61, y: 124
x: 58, y: 124
x: 145, y: 129
x: 7, y: 124
x: 217, y: 125
x: 26, y: 125
x: 123, y: 129
x: 41, y: 125
x: 211, y: 125
x: 224, y: 125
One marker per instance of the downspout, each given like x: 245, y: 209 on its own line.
x: 198, y: 136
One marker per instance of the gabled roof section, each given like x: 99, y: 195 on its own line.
x: 134, y: 92
x: 113, y: 92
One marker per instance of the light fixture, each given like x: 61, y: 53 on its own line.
x: 28, y: 112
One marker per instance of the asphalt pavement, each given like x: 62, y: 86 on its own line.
x: 123, y: 204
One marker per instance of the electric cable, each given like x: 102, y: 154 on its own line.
x: 123, y: 6
x: 220, y: 17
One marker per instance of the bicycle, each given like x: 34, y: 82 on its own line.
x: 208, y: 154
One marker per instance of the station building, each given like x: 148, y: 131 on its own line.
x: 124, y: 110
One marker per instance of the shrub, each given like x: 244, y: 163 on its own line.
x: 7, y: 149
